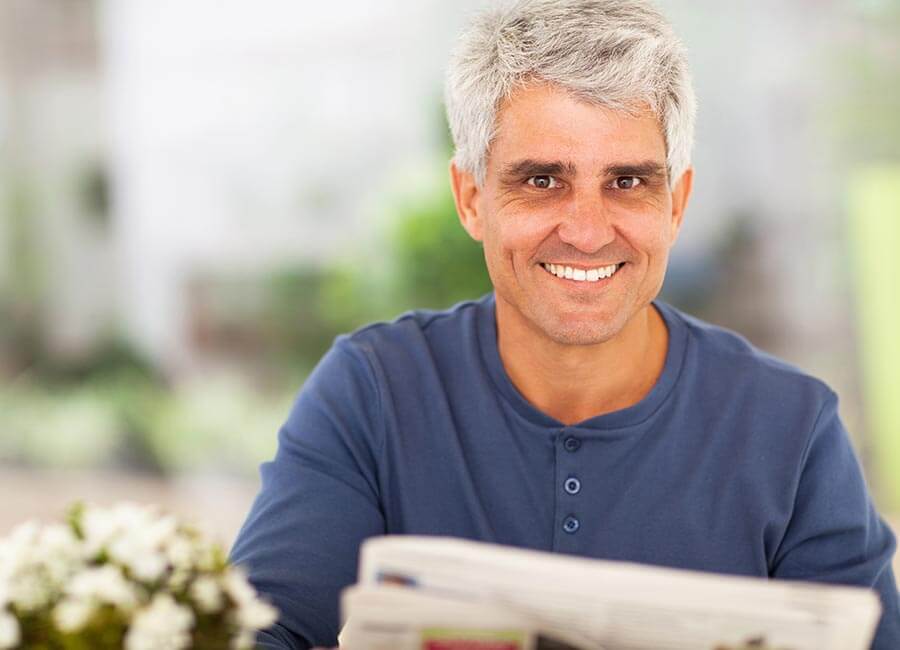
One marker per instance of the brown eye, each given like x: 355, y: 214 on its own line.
x: 627, y: 182
x: 543, y: 182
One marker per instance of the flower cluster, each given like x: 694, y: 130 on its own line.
x: 123, y: 577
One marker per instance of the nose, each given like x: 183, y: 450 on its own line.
x: 586, y: 225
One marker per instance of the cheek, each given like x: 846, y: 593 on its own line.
x: 522, y: 232
x: 648, y: 233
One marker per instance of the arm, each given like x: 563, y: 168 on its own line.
x: 835, y: 535
x: 318, y: 502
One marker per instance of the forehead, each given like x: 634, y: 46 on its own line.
x: 547, y: 122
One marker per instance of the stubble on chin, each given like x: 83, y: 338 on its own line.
x: 572, y: 331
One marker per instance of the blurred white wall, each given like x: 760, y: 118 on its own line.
x: 52, y: 139
x: 765, y: 78
x: 245, y: 135
x: 771, y: 78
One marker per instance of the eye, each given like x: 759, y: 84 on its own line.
x: 627, y: 182
x: 543, y: 182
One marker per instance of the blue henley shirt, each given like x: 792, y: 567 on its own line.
x: 735, y: 462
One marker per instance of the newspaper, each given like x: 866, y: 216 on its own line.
x: 432, y: 593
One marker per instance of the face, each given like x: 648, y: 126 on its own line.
x: 578, y: 191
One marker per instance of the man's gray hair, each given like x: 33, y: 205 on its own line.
x: 620, y: 54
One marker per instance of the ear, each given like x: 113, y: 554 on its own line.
x: 680, y: 195
x: 465, y: 195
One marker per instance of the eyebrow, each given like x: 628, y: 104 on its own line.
x: 647, y: 168
x: 532, y: 167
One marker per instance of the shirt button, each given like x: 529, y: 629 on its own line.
x: 571, y: 443
x: 572, y: 485
x: 571, y: 524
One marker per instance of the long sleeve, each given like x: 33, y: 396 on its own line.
x: 318, y: 502
x: 835, y: 534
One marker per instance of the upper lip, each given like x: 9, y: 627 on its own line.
x: 582, y: 265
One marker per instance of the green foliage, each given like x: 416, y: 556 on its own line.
x: 20, y: 300
x: 101, y: 410
x: 113, y: 359
x: 421, y: 258
x: 217, y: 423
x: 62, y: 427
x: 105, y: 630
x: 107, y: 624
x: 123, y: 420
x: 296, y: 330
x: 350, y: 297
x: 424, y: 259
x: 75, y: 519
x: 874, y: 230
x: 93, y: 191
x: 435, y: 262
x: 867, y: 81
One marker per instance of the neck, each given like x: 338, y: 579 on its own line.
x: 573, y: 383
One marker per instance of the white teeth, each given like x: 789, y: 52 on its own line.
x: 581, y: 275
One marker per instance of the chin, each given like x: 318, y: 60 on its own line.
x: 572, y: 337
x: 586, y: 333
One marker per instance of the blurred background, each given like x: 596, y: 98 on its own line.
x: 196, y: 197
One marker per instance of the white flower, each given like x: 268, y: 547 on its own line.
x: 147, y: 565
x: 9, y: 630
x: 237, y: 586
x: 22, y: 579
x: 98, y: 526
x: 160, y: 532
x: 251, y: 611
x: 103, y: 526
x: 104, y: 584
x: 256, y: 615
x: 59, y: 552
x: 137, y: 539
x: 70, y: 614
x: 58, y: 538
x: 207, y: 594
x: 179, y: 579
x: 164, y: 625
x: 35, y: 563
x: 17, y: 549
x: 180, y: 552
x: 123, y: 549
x: 29, y: 590
x: 25, y: 534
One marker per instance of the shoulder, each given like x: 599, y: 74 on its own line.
x: 368, y: 373
x: 717, y: 355
x: 415, y: 331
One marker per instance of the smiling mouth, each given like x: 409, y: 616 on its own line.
x: 580, y: 274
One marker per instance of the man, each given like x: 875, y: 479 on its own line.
x: 567, y: 410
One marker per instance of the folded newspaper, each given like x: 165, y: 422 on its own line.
x: 433, y: 593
